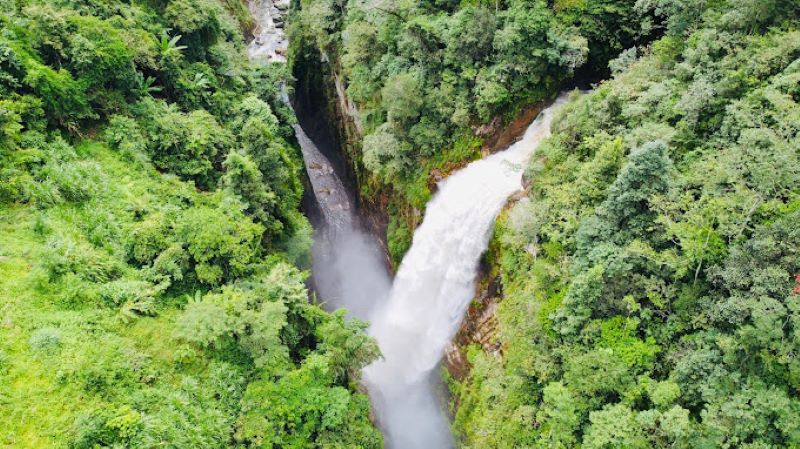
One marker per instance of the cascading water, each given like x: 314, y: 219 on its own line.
x: 435, y: 281
x: 433, y: 288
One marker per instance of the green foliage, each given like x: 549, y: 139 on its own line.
x: 222, y: 241
x: 253, y: 321
x: 191, y: 145
x: 347, y: 346
x: 650, y: 278
x: 304, y: 410
x: 424, y: 75
x: 144, y: 161
x: 46, y: 340
x: 614, y: 427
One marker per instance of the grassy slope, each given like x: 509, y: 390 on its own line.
x: 36, y: 407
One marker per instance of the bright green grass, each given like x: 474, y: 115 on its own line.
x: 39, y: 401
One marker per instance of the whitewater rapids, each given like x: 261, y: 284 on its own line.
x: 433, y: 288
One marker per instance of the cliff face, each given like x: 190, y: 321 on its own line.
x: 331, y: 119
x: 478, y: 328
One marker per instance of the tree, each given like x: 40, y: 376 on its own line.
x: 559, y: 415
x: 243, y: 178
x: 191, y: 145
x: 252, y: 321
x: 401, y: 97
x: 304, y: 410
x: 347, y: 346
x: 646, y: 173
x: 614, y: 427
x: 222, y: 241
x: 384, y: 154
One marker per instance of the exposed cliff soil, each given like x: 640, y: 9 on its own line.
x: 498, y: 137
x: 478, y: 328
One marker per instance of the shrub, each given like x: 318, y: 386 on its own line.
x: 124, y: 135
x: 223, y: 243
x: 149, y: 238
x: 169, y: 267
x: 191, y: 145
x: 75, y: 181
x: 46, y: 340
x: 108, y: 368
x: 65, y: 254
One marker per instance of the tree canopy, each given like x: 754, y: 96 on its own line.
x: 650, y: 277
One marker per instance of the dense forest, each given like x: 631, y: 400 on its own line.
x: 432, y: 78
x: 154, y: 258
x: 651, y: 278
x: 151, y: 245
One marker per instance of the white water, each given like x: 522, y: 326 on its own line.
x: 435, y: 281
x: 432, y: 290
x: 348, y: 266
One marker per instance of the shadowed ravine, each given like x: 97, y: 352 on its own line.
x: 414, y: 318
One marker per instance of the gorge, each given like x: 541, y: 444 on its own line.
x: 433, y: 287
x: 232, y: 224
x: 415, y: 316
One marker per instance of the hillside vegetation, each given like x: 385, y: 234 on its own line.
x: 432, y: 78
x: 652, y: 277
x: 152, y: 252
x: 151, y: 247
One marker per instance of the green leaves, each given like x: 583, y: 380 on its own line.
x: 302, y: 405
x: 614, y: 427
x: 168, y: 45
x: 191, y: 145
x: 223, y: 243
x: 304, y: 410
x: 347, y: 345
x: 668, y: 316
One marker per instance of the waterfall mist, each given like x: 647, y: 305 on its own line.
x: 348, y: 267
x: 349, y: 271
x: 432, y: 291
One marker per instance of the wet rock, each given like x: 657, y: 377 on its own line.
x: 489, y: 128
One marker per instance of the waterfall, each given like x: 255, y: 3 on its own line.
x: 414, y: 318
x: 432, y: 290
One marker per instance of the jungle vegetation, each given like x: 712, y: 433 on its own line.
x: 651, y: 278
x: 152, y: 291
x: 432, y: 78
x: 152, y: 252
